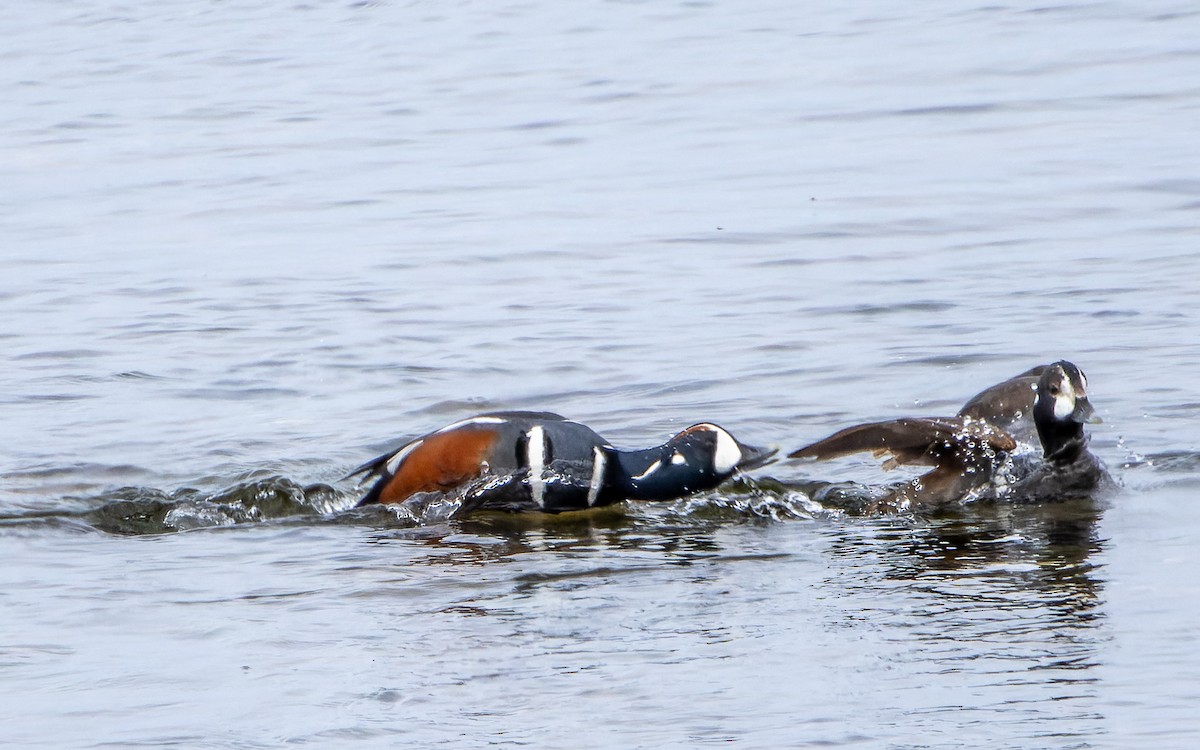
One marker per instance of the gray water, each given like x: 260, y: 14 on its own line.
x: 247, y: 246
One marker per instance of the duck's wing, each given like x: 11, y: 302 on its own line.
x: 376, y: 466
x: 1008, y: 403
x: 946, y: 483
x: 438, y: 462
x: 921, y: 441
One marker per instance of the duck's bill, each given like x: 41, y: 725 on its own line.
x: 753, y: 458
x: 1084, y: 413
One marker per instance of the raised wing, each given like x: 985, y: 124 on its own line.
x: 921, y: 441
x: 1006, y: 403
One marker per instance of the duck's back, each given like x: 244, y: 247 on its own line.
x: 1008, y: 405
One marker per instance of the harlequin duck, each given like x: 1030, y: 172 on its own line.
x: 538, y: 461
x: 968, y: 451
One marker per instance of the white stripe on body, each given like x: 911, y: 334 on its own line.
x: 537, y: 464
x: 393, y: 463
x: 597, y: 476
x: 471, y: 421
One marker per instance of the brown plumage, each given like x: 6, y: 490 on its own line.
x: 963, y: 452
x: 1008, y: 405
x: 1047, y: 404
x: 920, y: 441
x: 441, y: 462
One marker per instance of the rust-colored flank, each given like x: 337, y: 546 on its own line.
x: 441, y: 462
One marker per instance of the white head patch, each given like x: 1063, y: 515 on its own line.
x: 727, y: 455
x: 1064, y: 402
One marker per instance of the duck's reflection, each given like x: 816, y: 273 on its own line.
x: 954, y: 609
x: 995, y: 594
x: 484, y: 538
x: 1048, y: 545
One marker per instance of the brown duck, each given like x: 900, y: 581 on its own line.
x: 968, y: 450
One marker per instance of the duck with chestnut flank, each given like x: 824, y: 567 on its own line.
x: 968, y: 451
x: 538, y: 461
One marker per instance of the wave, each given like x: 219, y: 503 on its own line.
x: 146, y: 510
x: 272, y: 498
x: 135, y: 511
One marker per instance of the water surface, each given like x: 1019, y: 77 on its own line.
x: 246, y: 248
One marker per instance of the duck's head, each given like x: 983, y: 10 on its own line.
x: 1061, y: 409
x: 712, y: 448
x: 696, y: 459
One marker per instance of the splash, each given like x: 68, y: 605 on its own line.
x: 130, y: 511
